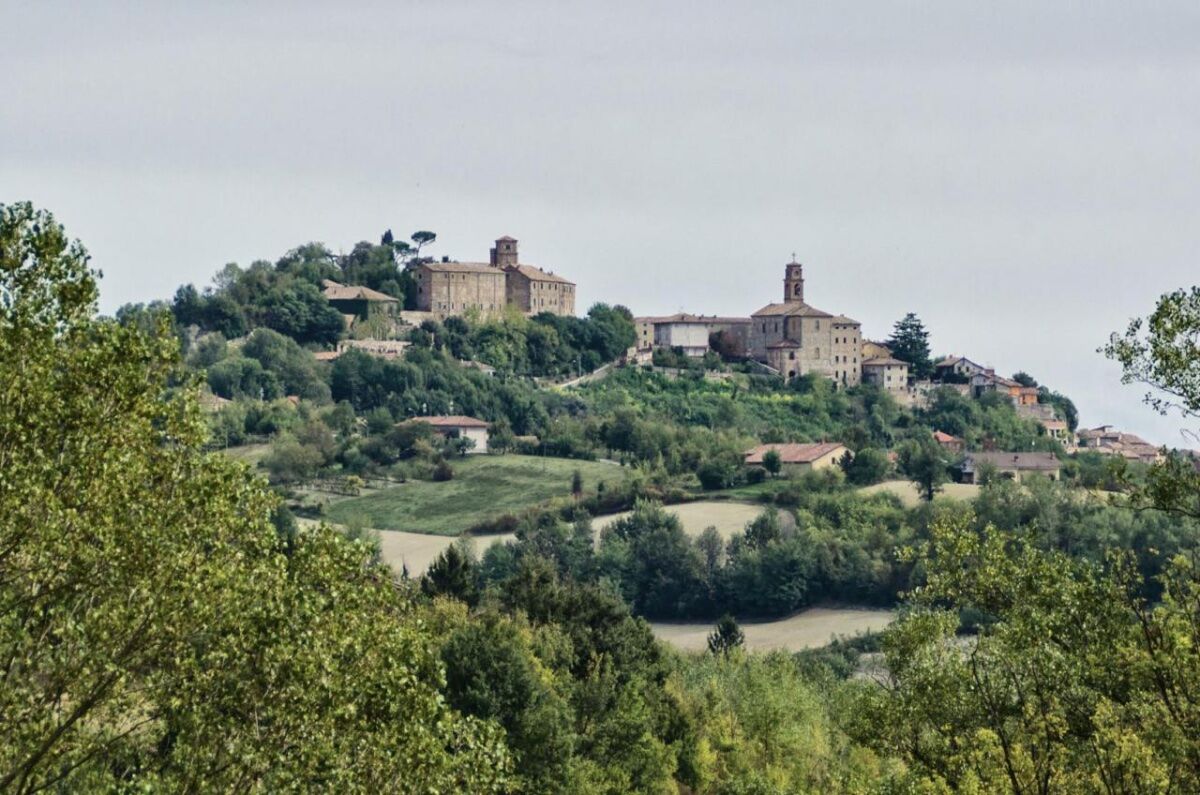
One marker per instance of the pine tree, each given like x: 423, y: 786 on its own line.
x: 726, y: 637
x: 910, y: 343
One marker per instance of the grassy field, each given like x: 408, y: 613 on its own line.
x: 248, y: 453
x: 730, y: 518
x: 907, y: 491
x: 809, y: 629
x: 484, y: 487
x: 415, y: 551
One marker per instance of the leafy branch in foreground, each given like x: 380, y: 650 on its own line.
x: 155, y: 631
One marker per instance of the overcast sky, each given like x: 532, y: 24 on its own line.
x: 1024, y: 176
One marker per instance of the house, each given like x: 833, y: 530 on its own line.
x: 692, y: 333
x: 959, y: 366
x: 384, y: 349
x: 356, y: 302
x: 988, y: 381
x: 1058, y: 431
x: 459, y: 427
x: 450, y: 288
x: 800, y: 457
x: 890, y: 374
x: 949, y: 442
x: 875, y: 350
x: 794, y: 338
x: 1011, y: 465
x: 1107, y: 441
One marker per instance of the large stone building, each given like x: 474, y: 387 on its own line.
x: 452, y: 288
x: 796, y: 338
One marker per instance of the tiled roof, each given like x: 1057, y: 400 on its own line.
x: 793, y: 453
x: 790, y: 309
x: 880, y: 361
x: 944, y: 438
x: 687, y: 317
x: 784, y: 344
x: 460, y: 267
x: 538, y: 275
x: 848, y: 320
x: 1018, y: 461
x: 335, y: 291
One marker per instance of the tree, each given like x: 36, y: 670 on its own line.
x: 726, y: 636
x: 452, y: 573
x: 924, y: 463
x: 577, y: 484
x: 772, y: 462
x: 867, y: 467
x: 1024, y: 379
x: 910, y: 343
x: 157, y: 630
x: 1163, y: 353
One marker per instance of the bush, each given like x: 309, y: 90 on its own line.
x: 443, y: 472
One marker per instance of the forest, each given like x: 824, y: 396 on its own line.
x: 167, y: 624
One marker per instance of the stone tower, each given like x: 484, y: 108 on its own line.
x: 504, y: 255
x: 793, y: 281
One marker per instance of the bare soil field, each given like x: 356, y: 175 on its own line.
x: 906, y: 490
x: 730, y: 518
x: 418, y: 550
x: 809, y: 629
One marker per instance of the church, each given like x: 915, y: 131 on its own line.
x: 796, y: 338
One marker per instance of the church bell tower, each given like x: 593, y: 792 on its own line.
x: 793, y: 281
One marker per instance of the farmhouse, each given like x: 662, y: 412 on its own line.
x: 1011, y: 465
x: 949, y: 442
x: 800, y: 457
x: 459, y: 427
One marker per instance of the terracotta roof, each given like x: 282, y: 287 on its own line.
x: 1053, y: 425
x: 334, y: 291
x: 844, y: 319
x: 538, y: 275
x: 944, y: 438
x: 460, y: 267
x: 794, y: 453
x: 784, y: 344
x: 326, y: 356
x: 687, y: 317
x: 1019, y: 461
x: 452, y: 421
x: 790, y: 309
x: 880, y: 361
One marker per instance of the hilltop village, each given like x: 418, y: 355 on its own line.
x: 790, y: 339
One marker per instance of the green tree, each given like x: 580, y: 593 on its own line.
x: 726, y: 636
x: 924, y: 462
x: 772, y: 462
x: 910, y: 343
x: 159, y: 633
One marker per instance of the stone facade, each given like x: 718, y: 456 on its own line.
x: 796, y: 338
x: 452, y: 288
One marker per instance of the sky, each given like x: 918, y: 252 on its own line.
x: 1023, y: 176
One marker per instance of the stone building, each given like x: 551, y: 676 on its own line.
x: 452, y: 288
x: 796, y: 338
x: 358, y: 303
x: 890, y: 374
x: 692, y: 333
